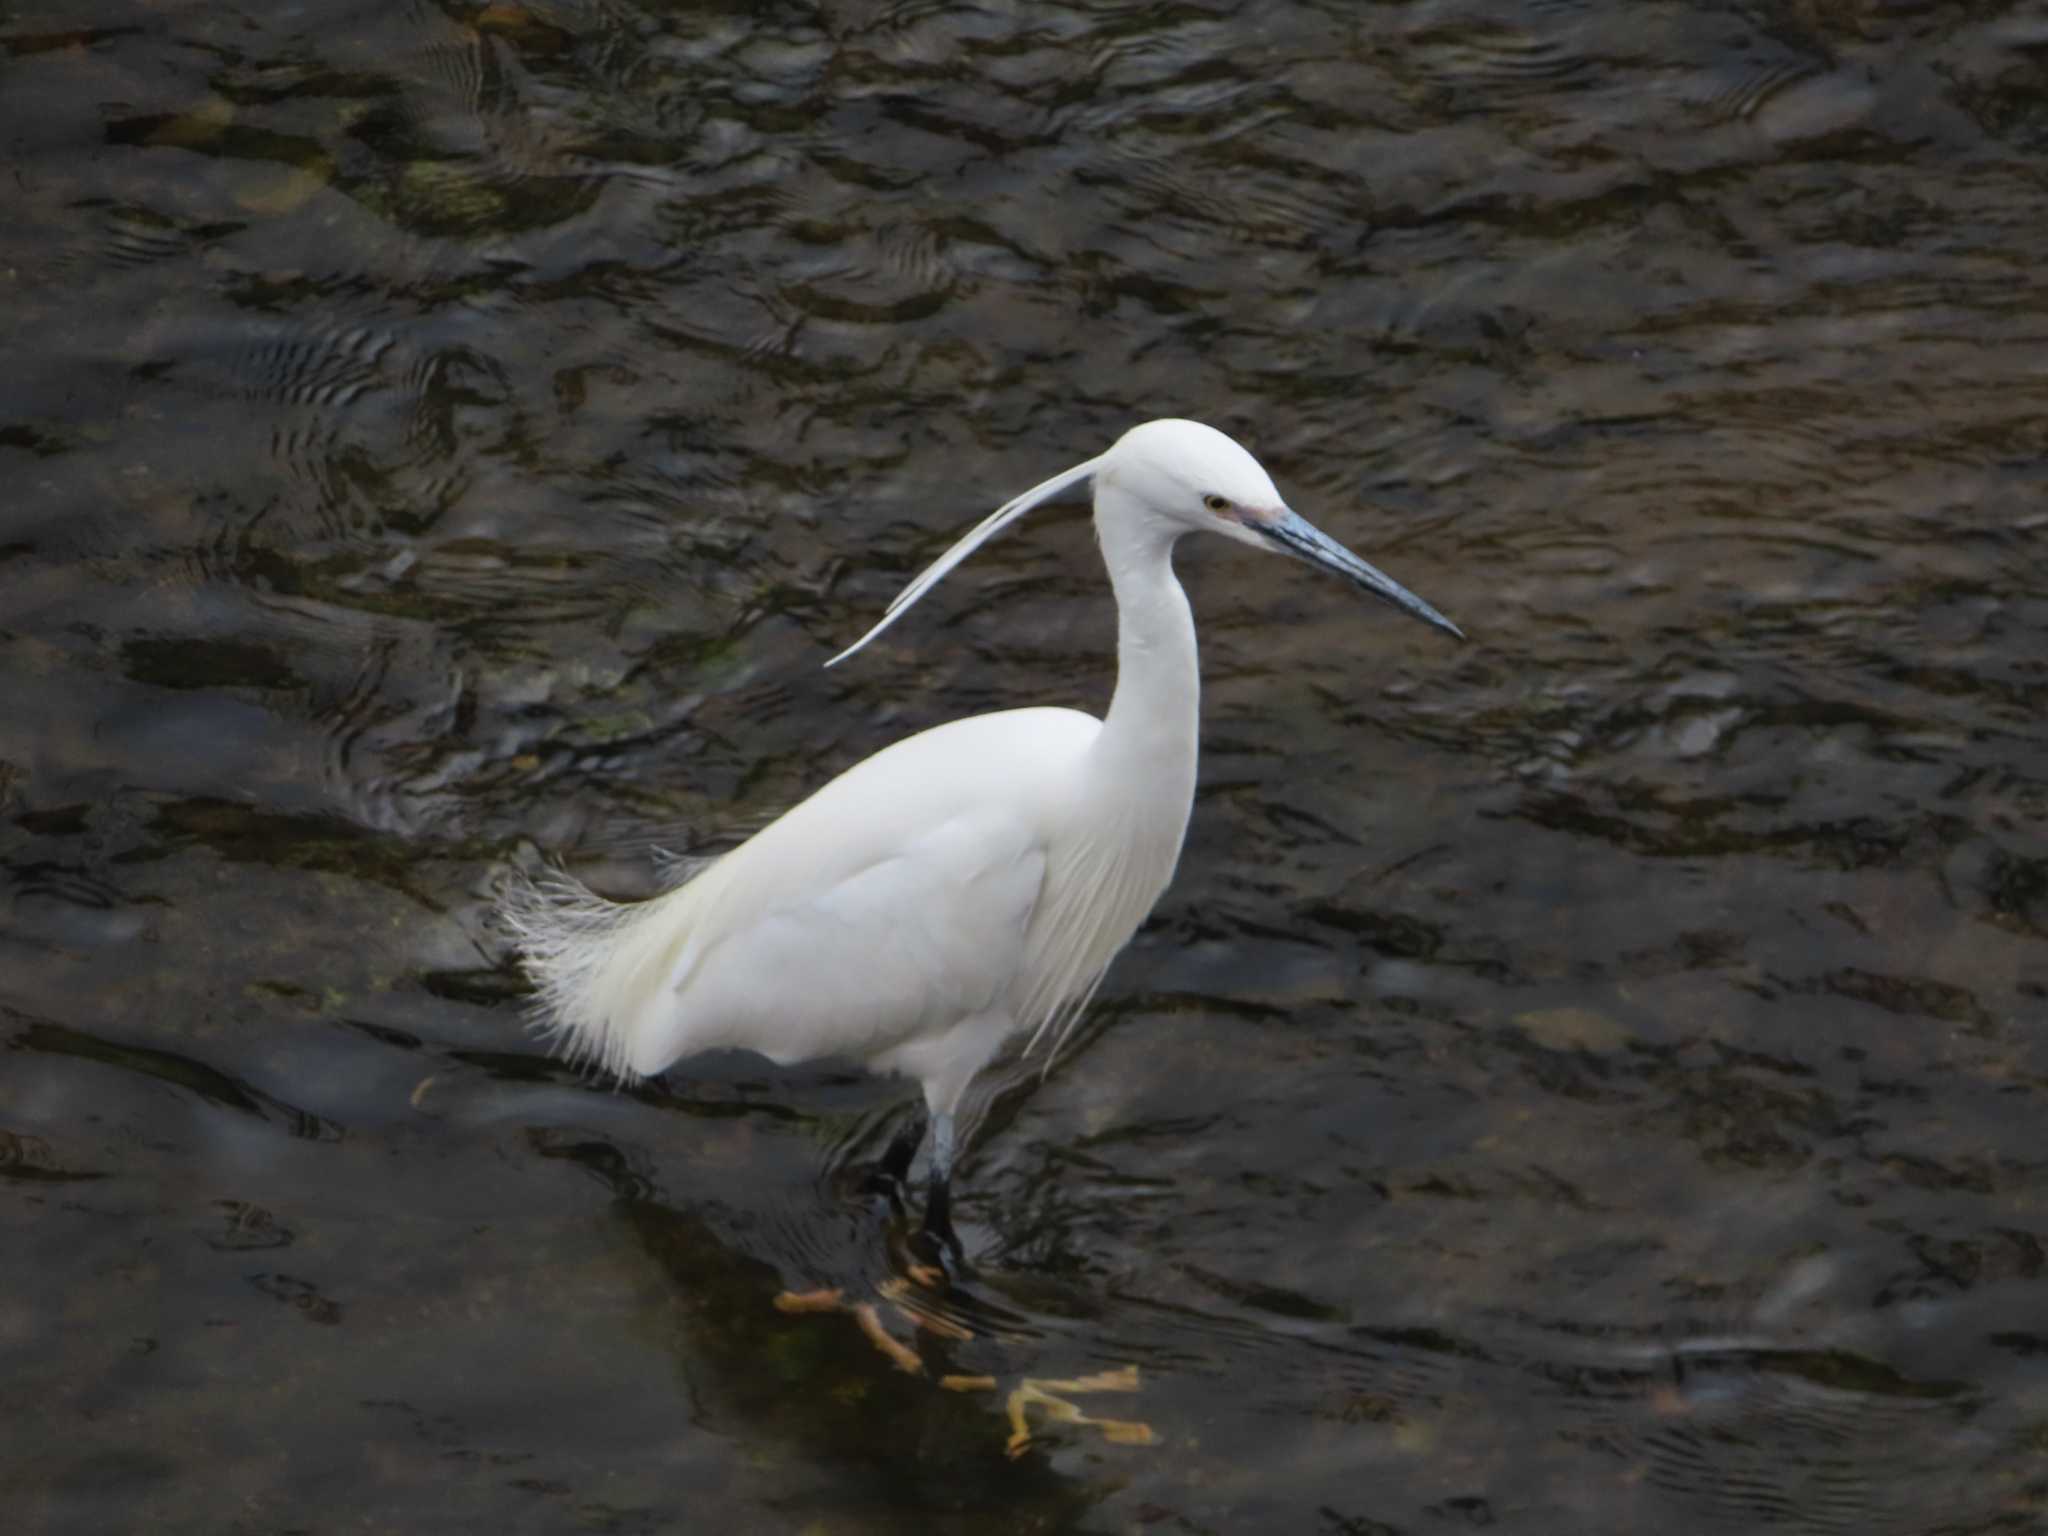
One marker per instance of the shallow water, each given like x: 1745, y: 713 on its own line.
x: 1591, y: 1078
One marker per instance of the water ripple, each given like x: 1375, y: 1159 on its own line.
x: 447, y: 438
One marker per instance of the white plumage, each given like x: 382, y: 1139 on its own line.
x: 964, y: 885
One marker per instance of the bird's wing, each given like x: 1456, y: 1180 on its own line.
x: 905, y: 945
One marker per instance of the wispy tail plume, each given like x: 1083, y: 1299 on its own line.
x: 569, y: 938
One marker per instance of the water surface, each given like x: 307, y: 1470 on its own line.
x: 1591, y: 1078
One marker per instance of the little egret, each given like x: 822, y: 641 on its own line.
x: 967, y: 883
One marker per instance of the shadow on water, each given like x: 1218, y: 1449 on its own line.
x: 1590, y: 1078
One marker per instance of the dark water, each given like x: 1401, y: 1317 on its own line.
x: 1589, y: 1079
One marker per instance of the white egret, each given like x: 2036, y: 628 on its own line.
x: 964, y: 885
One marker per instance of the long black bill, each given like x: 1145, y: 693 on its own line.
x: 1305, y: 541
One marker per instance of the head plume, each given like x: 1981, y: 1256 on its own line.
x: 975, y: 537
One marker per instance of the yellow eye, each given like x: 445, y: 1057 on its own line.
x: 1216, y: 503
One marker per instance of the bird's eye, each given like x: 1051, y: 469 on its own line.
x: 1216, y: 503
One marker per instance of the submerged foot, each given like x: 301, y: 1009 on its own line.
x: 1047, y: 1400
x: 914, y: 1301
x: 1052, y: 1401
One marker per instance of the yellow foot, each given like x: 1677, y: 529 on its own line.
x: 899, y: 1354
x: 830, y: 1300
x: 916, y: 1310
x: 865, y: 1313
x: 1046, y: 1397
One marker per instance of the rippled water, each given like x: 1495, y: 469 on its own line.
x: 1589, y: 1079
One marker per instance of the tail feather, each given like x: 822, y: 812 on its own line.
x: 593, y: 963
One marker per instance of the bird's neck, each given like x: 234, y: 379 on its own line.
x: 1153, y: 718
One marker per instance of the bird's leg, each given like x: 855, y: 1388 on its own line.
x: 892, y: 1173
x: 895, y: 1165
x: 938, y: 1206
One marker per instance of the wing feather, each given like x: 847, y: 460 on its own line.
x: 906, y: 943
x: 1097, y: 895
x: 903, y: 948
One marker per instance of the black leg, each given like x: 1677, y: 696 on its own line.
x: 938, y: 1205
x: 938, y: 1211
x: 895, y: 1165
x: 935, y: 1240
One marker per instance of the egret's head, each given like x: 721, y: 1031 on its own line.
x: 1193, y: 477
x: 1187, y: 477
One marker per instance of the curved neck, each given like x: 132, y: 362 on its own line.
x: 1154, y: 717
